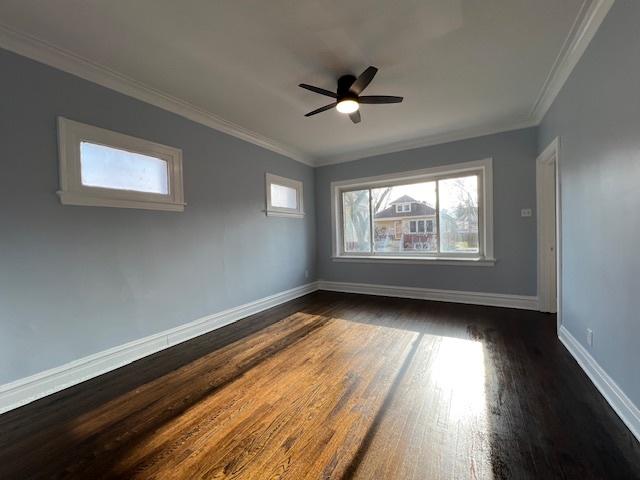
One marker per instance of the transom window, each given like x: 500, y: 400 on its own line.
x: 103, y: 168
x: 284, y: 196
x: 107, y: 167
x: 442, y: 212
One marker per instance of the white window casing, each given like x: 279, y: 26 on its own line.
x: 72, y: 136
x: 485, y: 255
x: 284, y: 196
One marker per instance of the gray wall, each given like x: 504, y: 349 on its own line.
x: 514, y: 155
x: 78, y: 280
x: 597, y: 117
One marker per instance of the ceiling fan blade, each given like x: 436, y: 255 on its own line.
x: 319, y: 90
x: 379, y: 99
x: 355, y: 116
x: 363, y: 80
x: 321, y: 109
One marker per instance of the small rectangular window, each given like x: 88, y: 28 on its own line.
x: 429, y: 226
x: 108, y: 167
x: 284, y: 196
x: 103, y: 168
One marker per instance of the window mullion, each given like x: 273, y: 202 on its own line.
x: 371, y: 235
x: 439, y: 232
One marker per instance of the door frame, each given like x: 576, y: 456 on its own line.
x: 549, y: 159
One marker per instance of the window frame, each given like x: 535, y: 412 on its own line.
x: 273, y: 211
x: 72, y: 192
x: 482, y: 168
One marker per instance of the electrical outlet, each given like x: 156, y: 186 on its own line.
x: 589, y: 337
x: 526, y: 212
x: 306, y: 274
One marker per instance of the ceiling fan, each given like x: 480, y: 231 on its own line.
x: 348, y: 97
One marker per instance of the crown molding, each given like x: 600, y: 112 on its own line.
x: 426, y: 141
x: 589, y: 19
x: 44, y: 52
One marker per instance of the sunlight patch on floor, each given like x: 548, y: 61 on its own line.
x: 459, y: 373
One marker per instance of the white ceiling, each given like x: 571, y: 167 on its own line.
x: 462, y: 65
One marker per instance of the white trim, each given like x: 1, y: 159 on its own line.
x: 554, y: 148
x: 484, y: 168
x: 547, y: 191
x: 297, y: 185
x: 44, y: 52
x: 460, y: 262
x: 453, y: 168
x: 275, y: 213
x: 558, y: 236
x: 613, y: 394
x: 454, y: 296
x: 71, y: 198
x: 73, y: 192
x: 586, y: 25
x: 589, y: 19
x: 26, y: 390
x: 29, y: 389
x: 427, y: 141
x: 412, y: 217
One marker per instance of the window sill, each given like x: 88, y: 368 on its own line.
x: 72, y: 198
x: 467, y: 262
x: 276, y: 213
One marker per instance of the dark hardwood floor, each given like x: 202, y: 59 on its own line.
x: 335, y: 386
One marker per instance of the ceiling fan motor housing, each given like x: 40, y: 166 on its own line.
x: 349, y: 95
x: 344, y: 83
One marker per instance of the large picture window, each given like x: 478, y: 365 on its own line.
x: 437, y: 213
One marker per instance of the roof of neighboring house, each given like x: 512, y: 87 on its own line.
x: 417, y: 209
x: 404, y: 199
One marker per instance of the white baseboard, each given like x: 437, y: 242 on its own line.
x: 621, y: 404
x: 26, y: 390
x: 454, y: 296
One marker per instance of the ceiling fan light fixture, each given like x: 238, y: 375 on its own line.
x: 348, y: 95
x: 347, y: 106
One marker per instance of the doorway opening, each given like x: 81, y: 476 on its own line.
x: 548, y: 210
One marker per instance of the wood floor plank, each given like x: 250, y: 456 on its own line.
x: 335, y: 386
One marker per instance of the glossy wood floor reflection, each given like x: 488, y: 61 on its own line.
x: 335, y: 386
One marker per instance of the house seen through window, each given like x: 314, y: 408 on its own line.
x: 437, y: 217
